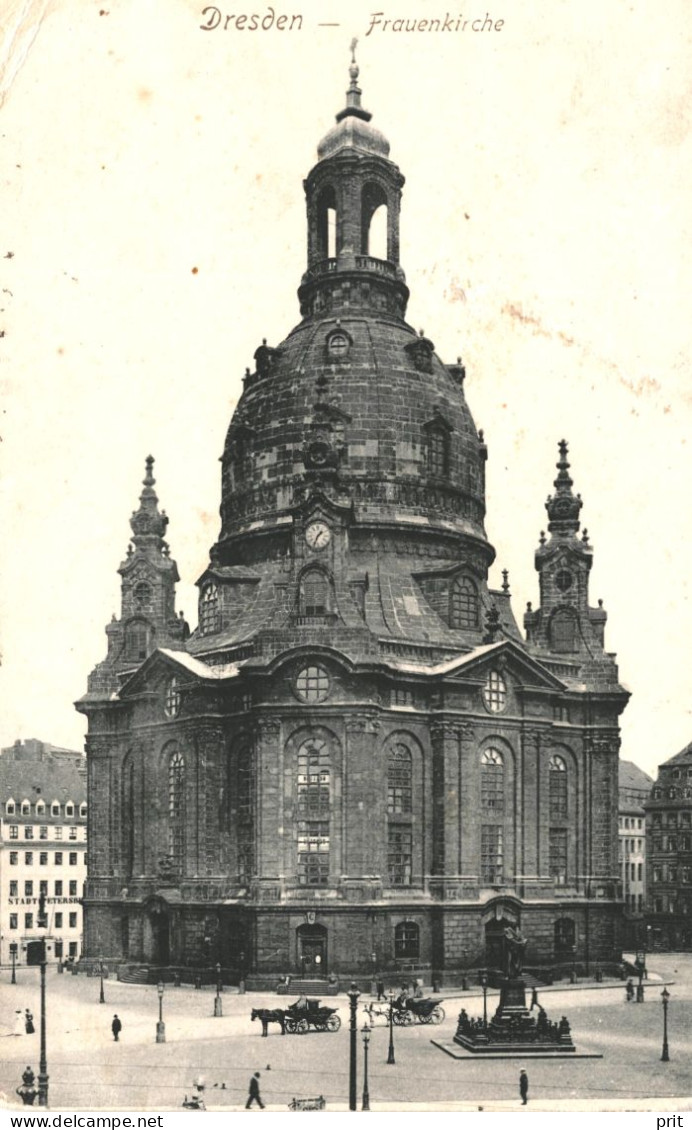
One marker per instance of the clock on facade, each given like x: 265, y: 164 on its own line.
x: 318, y: 535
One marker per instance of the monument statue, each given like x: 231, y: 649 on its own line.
x: 515, y: 944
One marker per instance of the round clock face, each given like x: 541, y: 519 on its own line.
x: 318, y: 535
x: 563, y: 579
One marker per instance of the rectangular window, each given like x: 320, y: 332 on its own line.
x: 28, y: 888
x: 57, y: 832
x: 558, y: 856
x: 58, y: 920
x: 58, y: 859
x: 657, y: 874
x: 73, y: 949
x: 73, y: 886
x: 73, y: 834
x: 28, y: 831
x: 43, y: 832
x: 58, y: 949
x: 313, y: 853
x: 29, y: 858
x: 57, y: 886
x: 14, y: 888
x: 14, y: 922
x: 399, y: 854
x: 14, y: 858
x: 28, y: 921
x: 14, y: 831
x: 491, y: 853
x: 43, y: 858
x: 402, y: 697
x: 639, y: 872
x: 73, y: 859
x: 43, y: 887
x: 73, y: 921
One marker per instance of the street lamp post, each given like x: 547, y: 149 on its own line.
x: 366, y: 1093
x: 484, y: 984
x: 665, y: 996
x: 218, y: 1004
x: 390, y: 1053
x: 353, y: 996
x: 102, y: 999
x: 43, y: 1066
x: 13, y: 951
x: 160, y: 1026
x: 641, y: 969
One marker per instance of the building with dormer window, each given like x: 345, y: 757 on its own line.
x: 357, y: 762
x: 669, y: 854
x: 43, y: 849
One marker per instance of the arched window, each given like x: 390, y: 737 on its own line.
x: 406, y: 940
x: 327, y: 224
x: 492, y: 781
x: 374, y: 222
x: 399, y: 779
x: 176, y: 807
x: 557, y: 785
x: 246, y: 813
x: 563, y: 631
x: 40, y: 807
x: 127, y: 822
x: 83, y: 810
x: 69, y: 809
x: 438, y: 447
x: 313, y: 797
x: 55, y: 808
x: 10, y: 807
x: 137, y: 639
x: 463, y: 604
x: 315, y: 593
x: 26, y: 808
x: 209, y: 611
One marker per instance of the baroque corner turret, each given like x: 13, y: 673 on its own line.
x: 148, y: 617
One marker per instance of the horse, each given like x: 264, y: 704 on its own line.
x: 270, y: 1016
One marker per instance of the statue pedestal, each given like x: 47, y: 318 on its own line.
x: 513, y: 1030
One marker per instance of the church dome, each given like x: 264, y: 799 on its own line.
x: 353, y: 129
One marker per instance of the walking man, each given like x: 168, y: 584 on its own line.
x: 254, y: 1093
x: 116, y: 1027
x: 380, y: 990
x: 534, y: 998
x: 524, y: 1087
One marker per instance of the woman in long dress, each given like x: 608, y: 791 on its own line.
x: 18, y: 1029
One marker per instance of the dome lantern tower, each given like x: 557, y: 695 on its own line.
x: 353, y: 191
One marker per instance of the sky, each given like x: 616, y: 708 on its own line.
x: 153, y: 232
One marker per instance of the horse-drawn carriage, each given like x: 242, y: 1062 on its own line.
x: 408, y: 1010
x: 306, y: 1013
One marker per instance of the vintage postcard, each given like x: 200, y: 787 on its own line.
x: 242, y: 251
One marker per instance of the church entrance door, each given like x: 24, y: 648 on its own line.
x: 312, y: 951
x: 157, y: 931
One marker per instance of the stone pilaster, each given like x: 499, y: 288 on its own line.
x: 364, y: 799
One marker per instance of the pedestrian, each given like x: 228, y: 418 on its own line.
x: 380, y: 991
x: 534, y: 998
x: 629, y: 990
x: 29, y: 1022
x: 254, y: 1092
x: 524, y: 1087
x: 18, y: 1028
x: 116, y: 1027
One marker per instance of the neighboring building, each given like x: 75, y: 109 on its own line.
x: 356, y: 762
x: 43, y: 823
x: 634, y: 788
x: 669, y: 854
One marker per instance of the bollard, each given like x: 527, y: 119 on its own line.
x: 28, y: 1090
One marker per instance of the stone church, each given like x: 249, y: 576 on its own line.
x: 357, y: 762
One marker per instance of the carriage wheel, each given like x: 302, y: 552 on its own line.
x: 408, y: 1018
x: 302, y: 1025
x: 290, y: 1025
x: 333, y: 1023
x: 437, y: 1015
